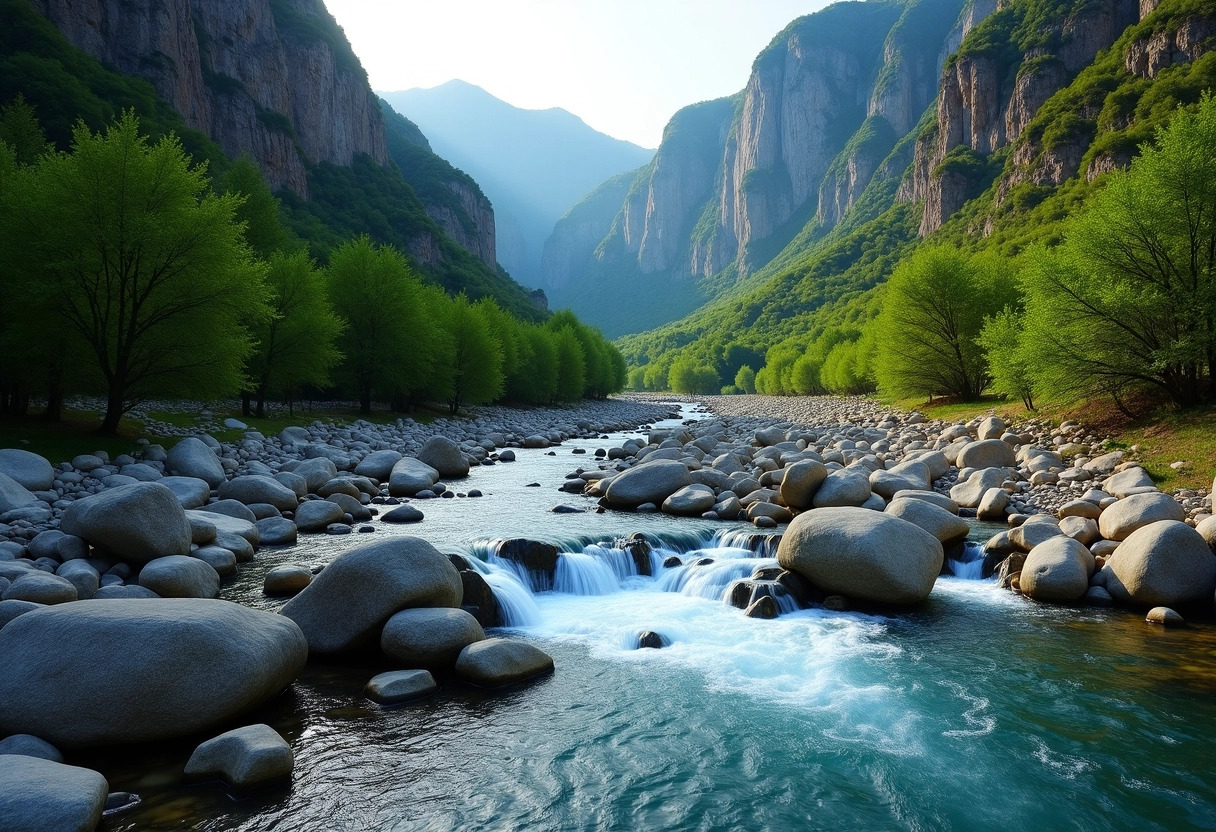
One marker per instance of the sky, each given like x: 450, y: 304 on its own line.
x: 623, y: 66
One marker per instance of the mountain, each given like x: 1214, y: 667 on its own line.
x: 1034, y: 102
x: 533, y: 164
x: 278, y: 80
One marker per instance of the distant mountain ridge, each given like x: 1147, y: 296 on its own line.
x: 534, y: 165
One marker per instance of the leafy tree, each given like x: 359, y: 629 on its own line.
x: 804, y: 375
x: 535, y: 380
x: 571, y: 366
x: 140, y: 260
x: 745, y: 379
x: 1129, y: 299
x: 689, y: 376
x: 21, y: 131
x: 656, y: 374
x: 259, y: 210
x: 296, y: 342
x: 1008, y: 360
x: 388, y: 337
x: 472, y: 362
x: 933, y: 311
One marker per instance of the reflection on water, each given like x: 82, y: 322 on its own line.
x: 977, y: 711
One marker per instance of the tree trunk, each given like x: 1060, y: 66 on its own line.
x: 245, y: 403
x: 114, y: 410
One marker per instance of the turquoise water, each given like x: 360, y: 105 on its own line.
x: 977, y: 711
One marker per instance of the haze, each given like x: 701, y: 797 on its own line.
x: 623, y: 66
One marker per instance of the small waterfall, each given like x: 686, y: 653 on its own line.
x: 515, y: 602
x: 758, y: 543
x: 579, y: 573
x: 971, y: 565
x: 620, y: 562
x: 713, y: 580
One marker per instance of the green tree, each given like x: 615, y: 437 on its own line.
x: 745, y: 379
x: 535, y: 380
x: 1128, y: 300
x: 571, y: 366
x: 259, y: 209
x: 690, y: 376
x: 140, y: 260
x: 933, y: 311
x: 21, y: 131
x: 296, y: 343
x: 1008, y: 360
x: 387, y: 343
x: 472, y: 360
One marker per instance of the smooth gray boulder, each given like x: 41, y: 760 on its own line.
x: 938, y: 499
x: 690, y: 501
x: 402, y: 514
x: 1127, y: 482
x: 444, y: 456
x: 946, y: 527
x: 137, y: 523
x: 315, y: 515
x: 288, y: 579
x: 118, y: 671
x: 971, y: 491
x: 1123, y: 517
x: 11, y: 609
x: 800, y: 482
x: 277, y: 531
x: 222, y: 560
x: 316, y: 472
x: 192, y: 458
x: 845, y: 487
x: 1057, y: 569
x: 39, y: 795
x: 429, y: 638
x: 398, y: 686
x: 378, y: 465
x: 41, y: 588
x: 254, y: 755
x: 179, y: 576
x: 27, y: 745
x: 348, y: 604
x: 862, y: 554
x: 649, y: 482
x: 227, y: 524
x: 409, y: 476
x: 13, y: 495
x: 191, y: 492
x: 259, y: 489
x: 499, y: 661
x: 987, y: 453
x: 993, y: 504
x: 28, y: 470
x: 1166, y: 564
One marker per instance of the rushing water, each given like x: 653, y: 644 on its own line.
x: 977, y: 711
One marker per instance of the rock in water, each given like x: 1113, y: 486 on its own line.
x: 650, y: 482
x: 1057, y: 569
x: 500, y: 661
x: 348, y: 603
x: 105, y: 672
x: 378, y: 465
x: 946, y: 527
x: 138, y: 522
x: 1163, y: 564
x: 862, y: 554
x: 1164, y: 616
x: 178, y: 576
x: 444, y: 456
x: 398, y: 686
x: 43, y: 796
x: 245, y: 757
x: 431, y: 638
x: 192, y: 458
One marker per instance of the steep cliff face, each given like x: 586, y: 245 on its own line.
x: 576, y: 236
x: 274, y: 78
x: 991, y: 89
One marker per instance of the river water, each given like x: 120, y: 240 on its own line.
x: 978, y: 710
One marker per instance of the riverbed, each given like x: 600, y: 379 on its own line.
x: 979, y: 710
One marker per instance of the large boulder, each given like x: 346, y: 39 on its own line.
x: 444, y: 456
x: 118, y: 671
x: 315, y: 515
x: 254, y: 755
x: 430, y: 638
x: 316, y: 472
x: 349, y: 602
x: 1123, y: 517
x: 862, y: 554
x: 1127, y: 482
x: 41, y: 588
x: 649, y: 482
x: 259, y: 489
x: 177, y: 576
x: 690, y: 501
x: 409, y: 476
x: 987, y: 453
x: 1057, y: 569
x: 499, y: 661
x: 39, y: 795
x: 192, y: 458
x: 942, y: 524
x: 1165, y: 564
x: 138, y: 522
x: 378, y: 465
x: 191, y: 492
x: 845, y: 487
x: 971, y: 491
x: 14, y: 495
x: 28, y: 470
x: 800, y: 482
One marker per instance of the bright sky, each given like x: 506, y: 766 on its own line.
x: 623, y: 66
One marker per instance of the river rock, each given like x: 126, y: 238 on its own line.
x: 191, y: 492
x: 403, y: 514
x: 378, y: 465
x: 222, y: 560
x: 39, y: 795
x: 315, y: 515
x: 430, y: 638
x: 105, y: 672
x: 444, y: 456
x: 316, y: 472
x: 1082, y: 529
x: 276, y: 531
x: 259, y: 489
x: 137, y: 523
x: 936, y: 498
x: 649, y: 482
x: 41, y: 588
x: 410, y: 476
x: 862, y: 554
x: 398, y: 686
x: 347, y: 605
x: 800, y: 482
x: 846, y: 487
x: 971, y: 491
x: 28, y: 470
x: 26, y: 745
x: 993, y: 504
x: 192, y: 458
x: 288, y: 579
x: 1126, y: 482
x: 987, y: 453
x: 499, y: 661
x: 1122, y: 518
x: 245, y: 757
x: 1166, y: 563
x: 1057, y: 569
x: 690, y: 501
x: 946, y: 527
x: 178, y: 576
x: 1165, y: 617
x: 13, y: 495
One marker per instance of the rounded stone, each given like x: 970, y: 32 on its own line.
x: 245, y: 757
x: 398, y: 686
x: 1162, y: 564
x: 987, y: 453
x: 649, y: 482
x: 192, y: 458
x: 259, y: 489
x: 430, y: 638
x: 946, y: 527
x: 288, y: 579
x: 277, y: 531
x: 1165, y: 617
x: 1118, y: 521
x: 444, y: 456
x: 499, y: 661
x: 27, y: 469
x: 1057, y: 569
x: 41, y: 588
x: 800, y: 482
x: 38, y: 795
x: 402, y: 514
x: 137, y: 522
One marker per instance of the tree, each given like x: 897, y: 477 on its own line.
x: 295, y: 344
x: 471, y: 363
x: 1008, y: 360
x: 388, y: 341
x: 745, y: 379
x: 21, y: 131
x: 259, y: 209
x: 535, y: 380
x: 932, y: 314
x: 690, y: 376
x: 1128, y: 300
x: 140, y: 260
x: 571, y: 367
